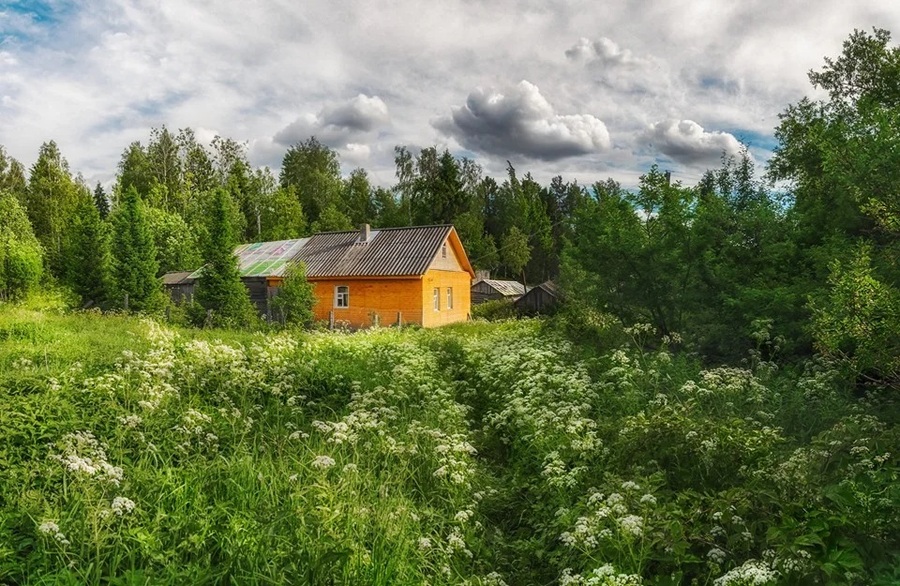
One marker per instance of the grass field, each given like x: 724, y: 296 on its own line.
x: 136, y: 453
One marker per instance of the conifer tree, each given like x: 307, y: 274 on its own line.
x: 134, y: 265
x: 86, y: 254
x: 101, y: 201
x: 219, y: 287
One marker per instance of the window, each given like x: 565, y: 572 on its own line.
x: 444, y: 250
x: 449, y: 297
x: 342, y: 296
x: 437, y: 299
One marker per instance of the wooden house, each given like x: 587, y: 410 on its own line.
x: 491, y: 289
x: 417, y: 275
x: 540, y: 299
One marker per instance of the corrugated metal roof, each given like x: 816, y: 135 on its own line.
x: 265, y: 259
x: 505, y: 288
x: 390, y: 252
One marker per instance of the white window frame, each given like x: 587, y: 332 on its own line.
x: 444, y: 250
x: 341, y: 296
x: 449, y: 297
x: 436, y: 297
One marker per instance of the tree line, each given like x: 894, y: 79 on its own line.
x: 804, y: 255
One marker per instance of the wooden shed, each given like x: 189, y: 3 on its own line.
x: 540, y: 299
x: 491, y: 289
x: 180, y: 286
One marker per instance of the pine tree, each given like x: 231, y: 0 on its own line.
x: 134, y: 264
x: 86, y: 254
x: 219, y: 287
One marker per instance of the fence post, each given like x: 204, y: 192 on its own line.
x: 331, y: 320
x: 126, y: 302
x: 168, y: 313
x: 399, y: 320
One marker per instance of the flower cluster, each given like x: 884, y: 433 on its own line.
x: 84, y: 456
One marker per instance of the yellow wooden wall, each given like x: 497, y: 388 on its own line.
x: 384, y: 297
x: 461, y: 282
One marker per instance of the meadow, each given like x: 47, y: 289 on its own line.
x: 520, y: 452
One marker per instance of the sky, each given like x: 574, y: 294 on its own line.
x: 582, y: 89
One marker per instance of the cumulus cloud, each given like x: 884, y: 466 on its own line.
x: 603, y: 51
x: 338, y: 125
x: 522, y: 121
x: 688, y: 143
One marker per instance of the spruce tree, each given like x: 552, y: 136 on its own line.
x: 219, y: 287
x: 101, y: 201
x: 86, y: 254
x: 134, y: 264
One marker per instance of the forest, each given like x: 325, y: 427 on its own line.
x: 714, y: 403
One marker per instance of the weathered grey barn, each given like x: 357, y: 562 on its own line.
x: 491, y: 289
x: 180, y: 286
x: 540, y: 299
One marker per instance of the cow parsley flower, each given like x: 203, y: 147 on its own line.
x: 323, y: 462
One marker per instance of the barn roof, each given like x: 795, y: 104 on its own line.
x: 177, y: 278
x: 388, y: 252
x: 505, y: 288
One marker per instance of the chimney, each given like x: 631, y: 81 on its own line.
x: 365, y: 233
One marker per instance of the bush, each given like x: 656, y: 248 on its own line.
x: 495, y: 309
x: 294, y: 300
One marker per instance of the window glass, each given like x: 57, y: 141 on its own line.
x: 342, y: 296
x: 449, y: 297
x: 444, y: 250
x: 437, y: 299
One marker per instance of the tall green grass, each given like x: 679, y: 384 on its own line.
x: 137, y: 453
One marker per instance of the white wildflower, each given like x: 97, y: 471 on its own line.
x: 322, y: 462
x: 122, y: 505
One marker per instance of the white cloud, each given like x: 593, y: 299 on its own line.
x: 604, y: 51
x: 686, y: 142
x: 95, y: 76
x: 521, y: 121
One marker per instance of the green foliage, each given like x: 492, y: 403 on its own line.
x: 859, y: 318
x: 495, y: 309
x: 219, y: 287
x: 12, y: 177
x: 101, y: 201
x: 134, y: 264
x: 515, y: 250
x: 51, y: 199
x: 295, y: 299
x: 21, y: 259
x: 87, y: 255
x: 313, y: 170
x: 331, y: 219
x: 281, y: 216
x: 174, y: 240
